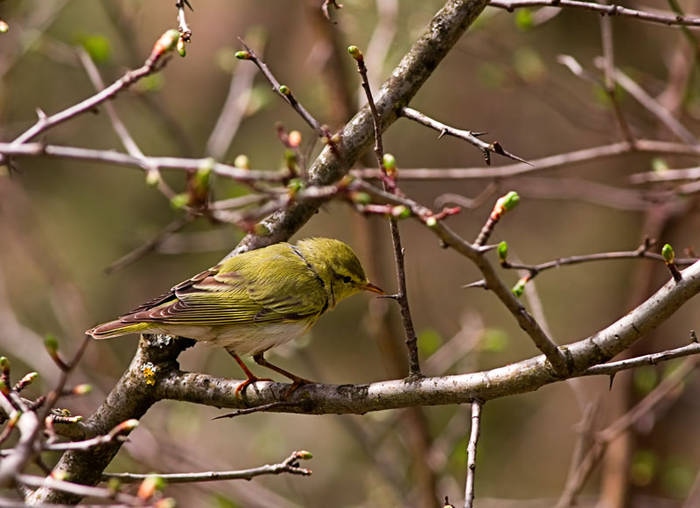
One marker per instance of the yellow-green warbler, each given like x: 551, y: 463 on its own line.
x: 254, y: 301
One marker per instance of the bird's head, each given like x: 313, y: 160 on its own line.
x: 338, y: 266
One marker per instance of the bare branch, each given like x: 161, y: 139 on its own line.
x: 289, y: 465
x: 550, y: 162
x: 609, y: 10
x: 471, y: 454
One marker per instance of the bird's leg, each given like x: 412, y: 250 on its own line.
x: 298, y: 381
x: 252, y: 378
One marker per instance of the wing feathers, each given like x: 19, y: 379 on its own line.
x: 238, y: 291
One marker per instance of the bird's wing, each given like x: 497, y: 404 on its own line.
x: 237, y: 292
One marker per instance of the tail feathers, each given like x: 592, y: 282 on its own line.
x: 116, y: 328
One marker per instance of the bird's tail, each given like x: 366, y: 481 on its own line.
x: 115, y: 329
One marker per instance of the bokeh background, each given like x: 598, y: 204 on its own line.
x: 63, y: 222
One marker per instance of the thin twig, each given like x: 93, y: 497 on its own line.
x: 610, y: 10
x: 549, y: 162
x: 112, y: 157
x: 468, y: 136
x: 182, y: 25
x: 78, y: 489
x: 289, y: 465
x: 611, y: 368
x: 389, y: 184
x: 471, y: 454
x: 606, y: 35
x: 232, y: 112
x: 286, y: 94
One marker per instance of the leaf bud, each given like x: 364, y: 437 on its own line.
x: 431, y: 222
x: 4, y: 27
x: 242, y: 161
x: 152, y: 177
x: 179, y: 201
x: 355, y: 52
x: 510, y: 200
x: 389, y: 163
x: 304, y: 455
x: 294, y: 139
x: 519, y: 287
x: 165, y: 43
x: 668, y: 254
x: 82, y: 389
x: 361, y: 198
x: 180, y: 47
x: 5, y: 365
x: 502, y: 251
x: 295, y: 185
x: 150, y: 486
x: 400, y: 212
x: 243, y: 55
x: 284, y: 90
x: 51, y: 344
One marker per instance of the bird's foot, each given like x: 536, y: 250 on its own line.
x: 297, y: 382
x: 251, y: 380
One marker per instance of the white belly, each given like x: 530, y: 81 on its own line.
x: 242, y: 339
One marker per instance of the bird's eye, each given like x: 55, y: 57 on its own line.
x: 347, y: 279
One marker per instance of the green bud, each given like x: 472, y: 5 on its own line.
x: 659, y: 165
x: 389, y: 162
x: 51, y: 344
x: 242, y: 161
x: 243, y: 55
x: 284, y: 90
x: 295, y: 184
x: 510, y: 200
x: 203, y: 174
x: 168, y: 40
x: 361, y: 198
x: 180, y: 47
x: 668, y: 254
x: 114, y: 484
x: 502, y: 251
x: 400, y: 212
x: 355, y: 52
x: 4, y: 389
x: 304, y: 455
x: 519, y: 288
x: 4, y: 27
x: 4, y: 365
x: 431, y: 222
x: 152, y: 177
x: 179, y: 201
x: 82, y: 389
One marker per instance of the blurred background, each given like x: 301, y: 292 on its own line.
x: 63, y: 223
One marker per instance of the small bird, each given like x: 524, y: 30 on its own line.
x: 252, y: 302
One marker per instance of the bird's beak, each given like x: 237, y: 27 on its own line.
x: 371, y: 287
